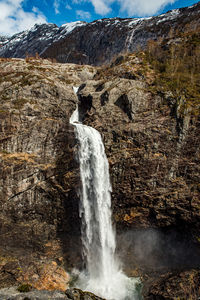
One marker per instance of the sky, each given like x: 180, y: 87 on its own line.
x: 19, y: 15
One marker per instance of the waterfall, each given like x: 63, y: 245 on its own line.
x: 129, y: 40
x: 103, y: 275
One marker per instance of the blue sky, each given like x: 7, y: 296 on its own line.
x: 18, y: 15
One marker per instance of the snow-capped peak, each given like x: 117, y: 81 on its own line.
x: 118, y: 34
x: 69, y: 27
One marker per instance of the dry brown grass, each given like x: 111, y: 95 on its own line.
x: 18, y: 157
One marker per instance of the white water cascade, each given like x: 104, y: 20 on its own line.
x: 103, y: 275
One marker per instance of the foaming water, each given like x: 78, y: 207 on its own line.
x: 103, y: 275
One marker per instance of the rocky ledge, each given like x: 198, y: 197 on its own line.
x: 70, y: 294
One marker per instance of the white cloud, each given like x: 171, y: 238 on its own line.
x: 83, y: 14
x: 143, y: 7
x: 101, y: 7
x: 14, y: 19
x: 131, y: 7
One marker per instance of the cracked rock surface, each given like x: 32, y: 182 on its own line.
x: 153, y: 154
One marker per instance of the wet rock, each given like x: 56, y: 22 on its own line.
x: 77, y: 294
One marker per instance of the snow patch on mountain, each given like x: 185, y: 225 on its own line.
x: 168, y: 16
x: 134, y: 22
x: 69, y: 27
x: 134, y: 31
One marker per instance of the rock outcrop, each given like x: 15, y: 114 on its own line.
x: 70, y: 294
x: 13, y: 294
x: 153, y: 152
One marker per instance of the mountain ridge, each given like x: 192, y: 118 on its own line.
x: 99, y: 41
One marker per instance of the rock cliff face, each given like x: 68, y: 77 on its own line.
x: 38, y: 171
x: 154, y: 161
x: 99, y: 41
x: 153, y: 152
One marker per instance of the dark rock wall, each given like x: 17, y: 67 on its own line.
x: 95, y: 44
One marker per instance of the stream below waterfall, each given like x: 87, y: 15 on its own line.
x: 102, y: 275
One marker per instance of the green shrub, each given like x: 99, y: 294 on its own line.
x: 24, y: 288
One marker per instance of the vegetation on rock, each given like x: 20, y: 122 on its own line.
x: 176, y: 63
x: 24, y: 288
